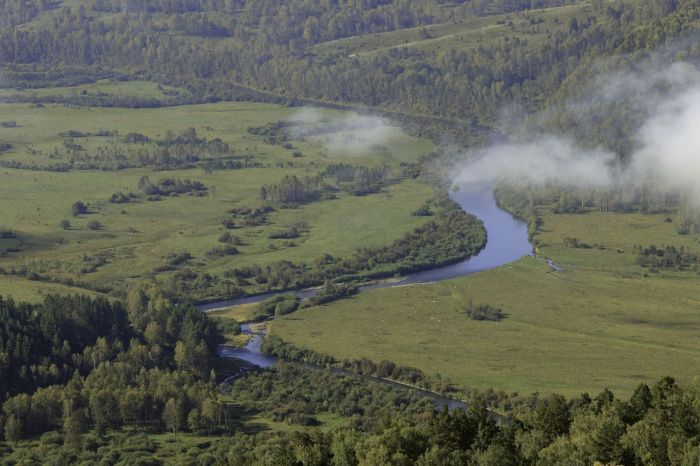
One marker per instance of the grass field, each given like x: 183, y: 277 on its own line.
x: 144, y: 89
x: 533, y: 26
x: 137, y: 237
x: 602, y: 322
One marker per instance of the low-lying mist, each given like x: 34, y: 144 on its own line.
x: 663, y: 148
x: 351, y: 134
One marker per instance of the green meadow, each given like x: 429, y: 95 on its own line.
x: 602, y: 322
x: 136, y: 238
x: 533, y: 26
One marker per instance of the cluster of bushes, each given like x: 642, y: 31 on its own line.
x: 210, y: 165
x: 170, y: 186
x: 74, y: 133
x: 251, y: 217
x: 292, y: 190
x: 423, y: 211
x: 102, y: 99
x: 191, y: 285
x: 121, y: 198
x: 174, y: 150
x: 228, y: 238
x: 484, y: 312
x: 331, y: 291
x: 358, y: 181
x: 275, y: 346
x: 289, y: 233
x: 668, y: 257
x: 276, y: 306
x: 91, y: 262
x: 222, y: 251
x: 570, y: 242
x: 174, y: 260
x: 275, y: 132
x: 57, y: 167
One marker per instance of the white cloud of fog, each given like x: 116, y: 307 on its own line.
x: 550, y: 159
x: 350, y: 134
x: 670, y: 144
x: 667, y: 144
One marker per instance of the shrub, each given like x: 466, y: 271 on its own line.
x: 222, y: 251
x: 228, y: 238
x: 79, y: 208
x: 94, y: 225
x: 289, y: 233
x: 423, y: 211
x: 276, y: 306
x: 65, y: 224
x: 484, y: 312
x: 119, y: 198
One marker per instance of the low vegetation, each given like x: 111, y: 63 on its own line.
x: 484, y: 312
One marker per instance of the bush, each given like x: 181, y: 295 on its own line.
x: 331, y: 292
x: 276, y: 306
x: 221, y: 251
x: 119, y: 198
x: 94, y: 225
x: 65, y: 224
x: 227, y: 238
x: 289, y: 233
x: 423, y: 211
x: 79, y: 208
x: 484, y: 312
x: 7, y: 233
x: 8, y: 124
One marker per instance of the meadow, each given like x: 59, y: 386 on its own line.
x: 139, y: 239
x: 604, y: 321
x: 534, y: 25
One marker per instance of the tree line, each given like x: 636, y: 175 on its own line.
x: 77, y: 363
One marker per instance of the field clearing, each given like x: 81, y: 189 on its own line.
x: 600, y: 323
x: 532, y: 26
x: 137, y: 237
x: 33, y: 292
x: 143, y: 89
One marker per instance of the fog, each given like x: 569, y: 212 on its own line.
x: 350, y: 134
x: 666, y: 143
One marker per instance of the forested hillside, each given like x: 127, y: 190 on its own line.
x: 229, y: 49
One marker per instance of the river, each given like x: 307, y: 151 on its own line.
x: 507, y: 241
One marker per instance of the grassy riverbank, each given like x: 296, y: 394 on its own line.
x: 602, y: 322
x: 119, y: 243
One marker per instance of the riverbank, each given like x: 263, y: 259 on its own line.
x: 506, y: 241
